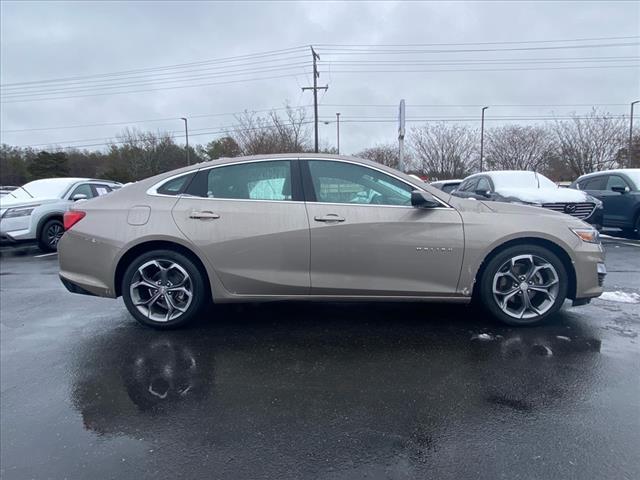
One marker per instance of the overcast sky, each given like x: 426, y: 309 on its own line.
x: 52, y: 40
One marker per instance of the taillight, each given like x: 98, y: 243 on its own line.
x: 72, y: 217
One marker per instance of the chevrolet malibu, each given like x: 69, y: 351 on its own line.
x: 324, y: 228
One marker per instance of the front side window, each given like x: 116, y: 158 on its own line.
x: 616, y: 181
x: 483, y: 184
x: 469, y: 185
x: 269, y: 180
x: 340, y: 182
x: 84, y: 189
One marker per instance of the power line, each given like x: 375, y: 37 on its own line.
x: 479, y: 43
x: 150, y: 120
x: 372, y: 51
x: 166, y: 67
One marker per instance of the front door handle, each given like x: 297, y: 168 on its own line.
x: 203, y: 214
x: 329, y: 218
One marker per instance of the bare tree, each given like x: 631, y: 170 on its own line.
x: 443, y: 150
x: 272, y: 134
x: 142, y: 154
x: 386, y: 154
x: 589, y: 144
x: 517, y: 147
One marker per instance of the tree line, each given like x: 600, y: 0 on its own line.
x: 561, y: 149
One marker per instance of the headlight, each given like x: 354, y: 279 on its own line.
x: 19, y: 212
x: 589, y: 235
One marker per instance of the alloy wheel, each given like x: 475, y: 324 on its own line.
x: 161, y: 290
x: 54, y: 234
x: 526, y: 286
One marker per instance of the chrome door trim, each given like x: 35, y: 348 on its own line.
x: 414, y: 187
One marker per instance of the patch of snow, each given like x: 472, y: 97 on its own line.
x: 562, y: 337
x: 621, y: 297
x: 519, y: 179
x: 543, y: 195
x: 542, y: 350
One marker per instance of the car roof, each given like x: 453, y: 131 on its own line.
x: 605, y: 172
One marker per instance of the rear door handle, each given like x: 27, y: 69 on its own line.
x: 329, y: 218
x: 203, y: 214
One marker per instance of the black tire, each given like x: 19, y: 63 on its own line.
x: 50, y: 234
x: 489, y: 301
x: 197, y: 285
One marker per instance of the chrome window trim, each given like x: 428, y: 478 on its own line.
x: 153, y: 189
x: 414, y: 187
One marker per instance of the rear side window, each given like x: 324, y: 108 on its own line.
x: 174, y: 186
x: 270, y: 180
x: 597, y: 183
x: 101, y: 189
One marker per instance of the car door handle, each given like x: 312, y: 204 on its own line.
x: 203, y: 214
x: 331, y: 217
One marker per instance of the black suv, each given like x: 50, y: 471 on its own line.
x: 619, y: 191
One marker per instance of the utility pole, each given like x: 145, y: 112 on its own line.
x: 186, y: 134
x: 630, y: 159
x: 338, y: 130
x: 482, y: 138
x: 315, y: 89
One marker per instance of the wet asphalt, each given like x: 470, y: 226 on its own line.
x: 331, y: 391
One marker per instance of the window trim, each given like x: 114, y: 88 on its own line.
x: 301, y: 182
x: 309, y: 189
x: 296, y: 188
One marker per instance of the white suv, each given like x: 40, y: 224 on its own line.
x: 34, y: 211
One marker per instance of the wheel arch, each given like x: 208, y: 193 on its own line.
x: 147, y: 246
x: 562, y: 254
x: 45, y: 218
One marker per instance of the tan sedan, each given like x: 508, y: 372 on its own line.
x: 317, y: 227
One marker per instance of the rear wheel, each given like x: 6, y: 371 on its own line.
x: 164, y: 289
x: 50, y: 235
x: 524, y: 285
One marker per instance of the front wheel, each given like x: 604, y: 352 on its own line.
x: 50, y: 235
x: 164, y: 289
x: 524, y: 285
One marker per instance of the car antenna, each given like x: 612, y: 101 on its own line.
x: 10, y: 193
x: 537, y: 179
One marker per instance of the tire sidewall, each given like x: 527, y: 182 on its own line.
x: 197, y: 280
x: 486, y: 285
x: 43, y: 243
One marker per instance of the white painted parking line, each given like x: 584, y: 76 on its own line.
x: 46, y: 254
x: 631, y: 244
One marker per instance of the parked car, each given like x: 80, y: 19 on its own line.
x: 619, y: 191
x: 531, y: 188
x: 316, y: 227
x: 4, y: 189
x: 34, y: 211
x: 446, y: 186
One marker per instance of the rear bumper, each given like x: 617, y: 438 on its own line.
x: 74, y: 287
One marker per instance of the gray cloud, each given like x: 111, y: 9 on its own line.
x: 51, y: 40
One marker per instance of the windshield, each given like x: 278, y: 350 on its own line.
x: 46, y: 188
x: 521, y: 180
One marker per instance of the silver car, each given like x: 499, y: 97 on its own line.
x: 317, y: 227
x: 33, y: 212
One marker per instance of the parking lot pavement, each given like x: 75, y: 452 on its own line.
x: 316, y: 390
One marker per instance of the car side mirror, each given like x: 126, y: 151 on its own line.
x: 620, y: 189
x: 79, y: 196
x: 423, y: 200
x: 483, y: 193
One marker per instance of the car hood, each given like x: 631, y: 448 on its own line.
x: 544, y: 195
